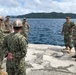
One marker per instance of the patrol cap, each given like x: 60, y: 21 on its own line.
x: 7, y: 16
x: 67, y: 17
x: 24, y: 18
x: 1, y: 18
x: 17, y: 23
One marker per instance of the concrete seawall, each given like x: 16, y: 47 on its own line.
x: 49, y: 60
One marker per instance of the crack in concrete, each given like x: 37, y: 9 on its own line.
x: 54, y: 69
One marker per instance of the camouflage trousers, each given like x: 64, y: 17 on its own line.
x: 1, y: 56
x: 68, y: 41
x: 16, y: 67
x: 25, y: 34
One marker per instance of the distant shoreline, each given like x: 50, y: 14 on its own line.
x: 52, y: 15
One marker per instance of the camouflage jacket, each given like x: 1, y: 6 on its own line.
x: 1, y: 41
x: 16, y: 44
x: 2, y: 33
x: 1, y: 38
x: 3, y: 28
x: 8, y: 24
x: 25, y: 27
x: 67, y: 26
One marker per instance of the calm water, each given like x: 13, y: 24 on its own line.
x: 46, y: 31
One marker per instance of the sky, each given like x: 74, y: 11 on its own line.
x: 21, y: 7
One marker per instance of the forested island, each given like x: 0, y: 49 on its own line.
x: 46, y: 15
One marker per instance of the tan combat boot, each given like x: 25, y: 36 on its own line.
x: 66, y: 48
x: 2, y: 72
x: 69, y: 51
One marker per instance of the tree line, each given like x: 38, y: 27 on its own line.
x: 46, y: 15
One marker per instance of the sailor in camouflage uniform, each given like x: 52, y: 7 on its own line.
x: 26, y: 28
x: 8, y: 24
x: 1, y: 39
x: 2, y: 26
x: 14, y: 47
x: 74, y: 40
x: 3, y: 32
x: 67, y: 32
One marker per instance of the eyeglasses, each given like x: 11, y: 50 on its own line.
x: 1, y: 20
x: 67, y: 18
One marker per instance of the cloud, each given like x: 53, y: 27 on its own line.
x: 19, y: 7
x: 9, y: 3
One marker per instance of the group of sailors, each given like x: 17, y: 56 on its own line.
x: 13, y: 45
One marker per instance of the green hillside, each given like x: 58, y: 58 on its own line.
x: 46, y: 15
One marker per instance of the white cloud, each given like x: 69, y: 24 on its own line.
x: 18, y: 7
x: 9, y: 3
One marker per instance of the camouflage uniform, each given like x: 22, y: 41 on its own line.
x: 26, y: 28
x: 67, y: 26
x: 3, y: 28
x: 1, y: 42
x: 74, y: 38
x: 8, y: 25
x: 2, y: 35
x: 15, y: 43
